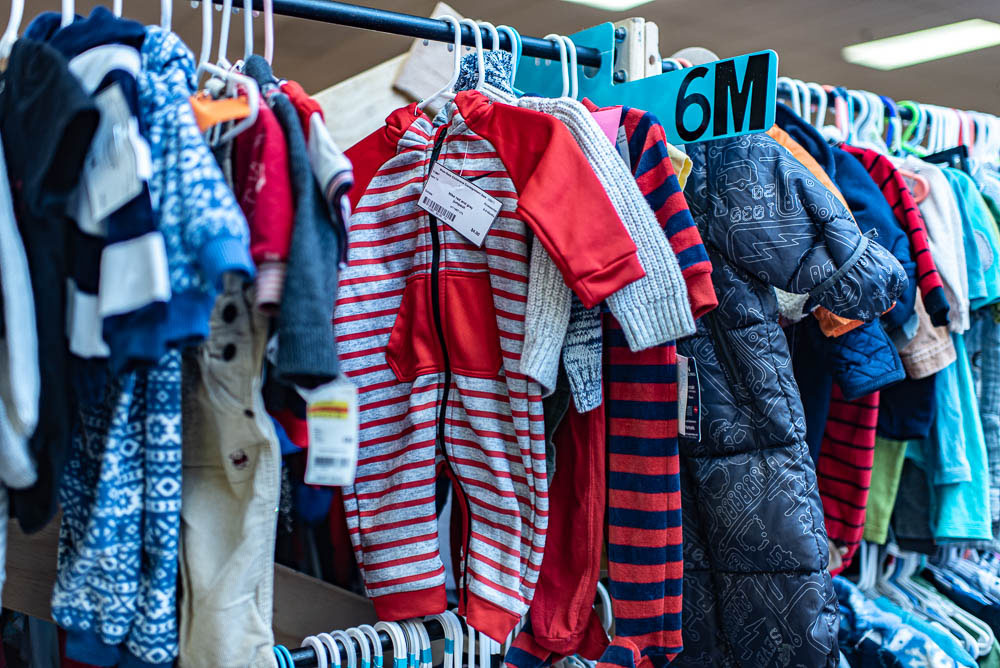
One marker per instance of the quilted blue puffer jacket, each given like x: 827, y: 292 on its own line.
x: 756, y: 587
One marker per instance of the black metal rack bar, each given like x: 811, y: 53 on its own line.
x: 381, y: 20
x: 305, y: 657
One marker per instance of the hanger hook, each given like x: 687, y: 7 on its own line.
x: 13, y: 25
x: 480, y: 63
x: 227, y: 12
x: 247, y: 28
x: 562, y: 61
x: 494, y: 34
x: 574, y: 77
x: 515, y: 50
x: 166, y: 14
x: 68, y: 13
x: 206, y: 32
x: 116, y: 8
x: 446, y: 91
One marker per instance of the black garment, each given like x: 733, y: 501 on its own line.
x: 47, y: 122
x: 906, y: 410
x: 911, y: 517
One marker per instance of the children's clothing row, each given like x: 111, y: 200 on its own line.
x: 556, y: 324
x: 160, y: 265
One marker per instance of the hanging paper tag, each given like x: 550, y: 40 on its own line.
x: 467, y: 208
x: 688, y: 399
x: 621, y: 143
x: 111, y: 170
x: 332, y: 420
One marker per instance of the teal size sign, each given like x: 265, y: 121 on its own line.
x: 727, y: 98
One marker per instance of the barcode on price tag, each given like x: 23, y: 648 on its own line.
x: 332, y: 420
x: 467, y: 208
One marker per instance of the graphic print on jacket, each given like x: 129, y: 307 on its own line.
x: 430, y: 328
x: 756, y: 587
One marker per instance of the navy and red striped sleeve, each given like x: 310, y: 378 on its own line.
x: 904, y: 206
x: 654, y: 173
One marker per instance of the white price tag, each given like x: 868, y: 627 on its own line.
x: 332, y: 420
x: 467, y: 208
x: 111, y: 170
x: 621, y: 143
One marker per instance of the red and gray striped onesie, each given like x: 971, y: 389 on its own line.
x: 431, y: 329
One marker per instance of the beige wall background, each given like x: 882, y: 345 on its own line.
x: 807, y: 34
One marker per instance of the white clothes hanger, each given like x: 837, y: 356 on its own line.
x: 376, y: 643
x: 314, y: 642
x: 13, y: 25
x: 515, y: 50
x: 362, y: 640
x: 574, y: 81
x: 480, y: 63
x: 269, y: 30
x: 331, y: 646
x: 227, y: 13
x: 412, y: 644
x: 225, y: 74
x: 68, y: 13
x: 453, y: 634
x: 247, y: 29
x: 820, y: 93
x: 398, y: 636
x: 116, y: 8
x: 494, y: 34
x: 562, y: 61
x: 447, y: 91
x: 801, y: 89
x: 345, y: 640
x: 166, y: 13
x: 471, y: 654
x: 487, y: 648
x: 606, y: 615
x: 793, y: 98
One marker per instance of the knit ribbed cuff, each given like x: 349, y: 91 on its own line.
x: 540, y: 358
x: 270, y: 286
x: 307, y: 356
x: 224, y: 255
x: 585, y: 382
x: 648, y: 325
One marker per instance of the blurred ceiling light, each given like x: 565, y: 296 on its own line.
x: 924, y: 45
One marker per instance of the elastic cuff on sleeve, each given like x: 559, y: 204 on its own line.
x: 540, y: 359
x: 220, y: 256
x: 648, y: 325
x: 936, y: 305
x: 270, y: 286
x: 701, y: 293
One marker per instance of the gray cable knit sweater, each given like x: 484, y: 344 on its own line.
x: 651, y: 311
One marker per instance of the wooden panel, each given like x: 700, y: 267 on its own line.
x: 31, y: 570
x: 302, y: 605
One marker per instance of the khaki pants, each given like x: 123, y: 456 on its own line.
x: 230, y: 495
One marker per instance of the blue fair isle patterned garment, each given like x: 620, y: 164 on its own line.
x: 204, y: 229
x: 118, y: 542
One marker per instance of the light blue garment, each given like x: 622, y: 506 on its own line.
x: 955, y: 456
x: 941, y: 637
x: 982, y: 241
x: 860, y: 618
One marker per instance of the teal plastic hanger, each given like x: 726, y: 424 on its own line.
x: 727, y: 98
